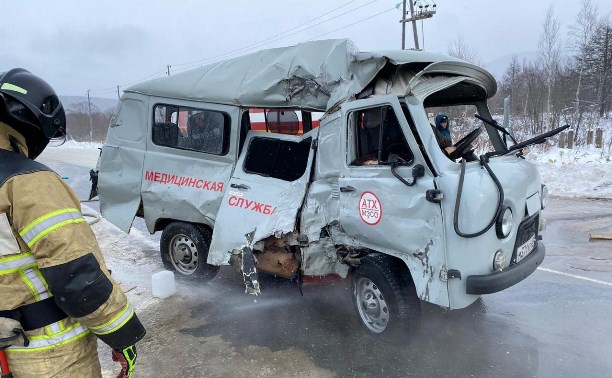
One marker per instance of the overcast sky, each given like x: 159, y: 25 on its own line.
x: 78, y: 45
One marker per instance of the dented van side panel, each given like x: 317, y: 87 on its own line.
x: 121, y: 162
x: 321, y: 211
x: 367, y: 208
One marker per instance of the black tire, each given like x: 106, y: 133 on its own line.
x: 194, y: 242
x: 382, y: 285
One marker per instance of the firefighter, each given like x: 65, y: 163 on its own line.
x: 53, y: 279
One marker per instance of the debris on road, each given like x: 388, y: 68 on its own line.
x: 600, y: 237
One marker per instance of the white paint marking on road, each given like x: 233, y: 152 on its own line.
x: 576, y: 276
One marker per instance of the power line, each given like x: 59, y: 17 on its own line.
x: 274, y: 36
x: 344, y: 27
x: 107, y: 90
x: 101, y: 90
x: 113, y: 89
x: 261, y: 43
x: 354, y: 23
x: 269, y: 40
x: 158, y: 73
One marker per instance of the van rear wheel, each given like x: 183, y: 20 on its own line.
x: 385, y: 298
x: 184, y: 249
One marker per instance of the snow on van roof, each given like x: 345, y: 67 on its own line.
x: 312, y: 75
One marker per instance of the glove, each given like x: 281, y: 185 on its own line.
x: 127, y: 358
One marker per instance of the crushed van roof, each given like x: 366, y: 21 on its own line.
x: 312, y: 75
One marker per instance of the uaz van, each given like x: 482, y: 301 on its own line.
x: 368, y: 194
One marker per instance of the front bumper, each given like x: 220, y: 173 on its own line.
x: 494, y: 282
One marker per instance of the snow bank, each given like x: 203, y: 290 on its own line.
x: 583, y: 172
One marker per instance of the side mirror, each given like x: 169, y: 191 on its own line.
x: 417, y: 172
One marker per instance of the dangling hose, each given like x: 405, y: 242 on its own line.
x: 500, y: 190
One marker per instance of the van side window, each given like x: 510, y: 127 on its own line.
x: 191, y: 129
x: 276, y: 158
x: 378, y: 134
x: 279, y: 121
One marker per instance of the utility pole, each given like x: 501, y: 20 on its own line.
x: 90, y: 122
x: 423, y: 13
x: 404, y: 26
x: 168, y: 69
x: 118, y: 95
x: 414, y: 27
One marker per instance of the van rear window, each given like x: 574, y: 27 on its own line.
x: 191, y: 129
x: 276, y: 158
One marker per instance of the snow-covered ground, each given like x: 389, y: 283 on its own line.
x: 583, y: 172
x: 84, y: 154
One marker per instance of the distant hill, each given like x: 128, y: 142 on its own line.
x: 103, y: 104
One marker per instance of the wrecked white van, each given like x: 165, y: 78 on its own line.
x: 368, y: 194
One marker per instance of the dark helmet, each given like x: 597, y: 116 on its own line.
x: 29, y: 105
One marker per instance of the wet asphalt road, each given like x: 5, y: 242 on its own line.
x: 549, y: 325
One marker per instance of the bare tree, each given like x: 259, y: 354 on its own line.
x: 535, y: 86
x: 77, y: 122
x: 460, y: 50
x: 601, y: 59
x: 510, y: 84
x: 581, y: 34
x: 550, y: 55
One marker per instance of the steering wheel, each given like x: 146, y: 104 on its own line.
x: 403, y: 153
x: 464, y: 146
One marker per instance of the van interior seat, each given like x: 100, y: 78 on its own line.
x: 165, y: 133
x: 205, y: 132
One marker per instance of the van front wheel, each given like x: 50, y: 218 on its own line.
x: 385, y: 297
x: 184, y: 249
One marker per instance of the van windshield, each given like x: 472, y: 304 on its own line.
x: 451, y: 114
x: 453, y: 123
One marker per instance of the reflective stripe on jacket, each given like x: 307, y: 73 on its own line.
x: 50, y: 251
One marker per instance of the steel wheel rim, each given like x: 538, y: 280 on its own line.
x: 371, y: 305
x: 183, y: 254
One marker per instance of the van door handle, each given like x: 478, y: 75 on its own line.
x: 346, y: 189
x: 239, y: 186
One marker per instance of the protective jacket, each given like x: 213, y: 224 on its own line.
x: 53, y: 278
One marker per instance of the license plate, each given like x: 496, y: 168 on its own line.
x: 525, y: 249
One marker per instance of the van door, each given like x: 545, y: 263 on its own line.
x: 190, y: 155
x: 266, y: 192
x: 380, y: 212
x: 121, y: 163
